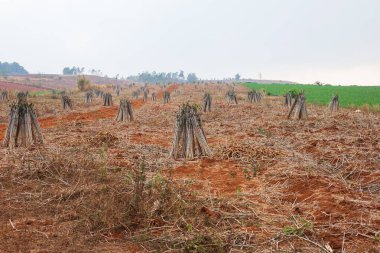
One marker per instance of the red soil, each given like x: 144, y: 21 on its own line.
x: 103, y: 113
x: 170, y: 89
x: 218, y: 176
x: 287, y: 186
x: 152, y: 138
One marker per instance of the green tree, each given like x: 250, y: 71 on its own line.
x: 158, y: 77
x: 181, y: 74
x: 192, y: 77
x: 12, y: 69
x: 72, y: 71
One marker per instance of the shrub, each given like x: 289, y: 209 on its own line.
x: 83, y: 83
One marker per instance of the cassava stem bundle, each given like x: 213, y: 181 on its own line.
x: 189, y: 139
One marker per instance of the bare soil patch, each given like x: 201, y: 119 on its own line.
x: 270, y: 185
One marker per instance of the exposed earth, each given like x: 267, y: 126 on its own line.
x: 271, y: 184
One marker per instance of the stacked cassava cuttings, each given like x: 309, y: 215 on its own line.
x: 189, y: 139
x: 4, y: 95
x: 66, y: 102
x: 288, y: 99
x: 145, y: 96
x: 88, y: 97
x: 125, y: 112
x: 98, y: 93
x: 334, y: 104
x: 22, y: 97
x: 207, y: 102
x: 154, y: 96
x: 107, y: 99
x: 298, y: 108
x: 135, y: 94
x: 254, y: 96
x: 231, y: 97
x: 166, y: 97
x: 23, y: 128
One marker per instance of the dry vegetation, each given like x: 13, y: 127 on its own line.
x: 270, y: 184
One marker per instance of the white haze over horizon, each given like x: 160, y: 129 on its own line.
x: 332, y: 41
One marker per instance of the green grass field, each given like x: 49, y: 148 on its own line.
x: 349, y: 96
x: 40, y: 93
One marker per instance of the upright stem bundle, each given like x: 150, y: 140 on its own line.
x: 298, y: 108
x: 207, y: 102
x: 334, y: 104
x: 254, y: 96
x: 231, y: 97
x: 189, y: 139
x: 135, y: 94
x: 154, y: 96
x: 66, y: 102
x: 23, y: 128
x: 21, y: 97
x: 88, y: 97
x: 98, y: 93
x: 166, y: 97
x: 145, y: 96
x: 107, y: 99
x: 117, y: 89
x: 125, y: 112
x: 288, y: 99
x: 4, y: 95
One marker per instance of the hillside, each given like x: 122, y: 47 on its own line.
x: 51, y: 81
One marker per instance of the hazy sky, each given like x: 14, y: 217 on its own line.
x: 334, y: 41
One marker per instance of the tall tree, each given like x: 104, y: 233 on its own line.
x: 72, y: 71
x: 192, y: 77
x: 181, y: 74
x: 162, y: 77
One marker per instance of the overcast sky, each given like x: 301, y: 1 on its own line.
x: 333, y: 41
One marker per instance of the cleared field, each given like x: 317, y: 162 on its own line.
x: 270, y: 185
x: 349, y: 96
x: 11, y: 86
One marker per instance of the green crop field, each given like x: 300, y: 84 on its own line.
x: 40, y: 93
x: 349, y: 96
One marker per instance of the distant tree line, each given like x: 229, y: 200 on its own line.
x: 12, y: 69
x: 162, y: 77
x: 74, y: 71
